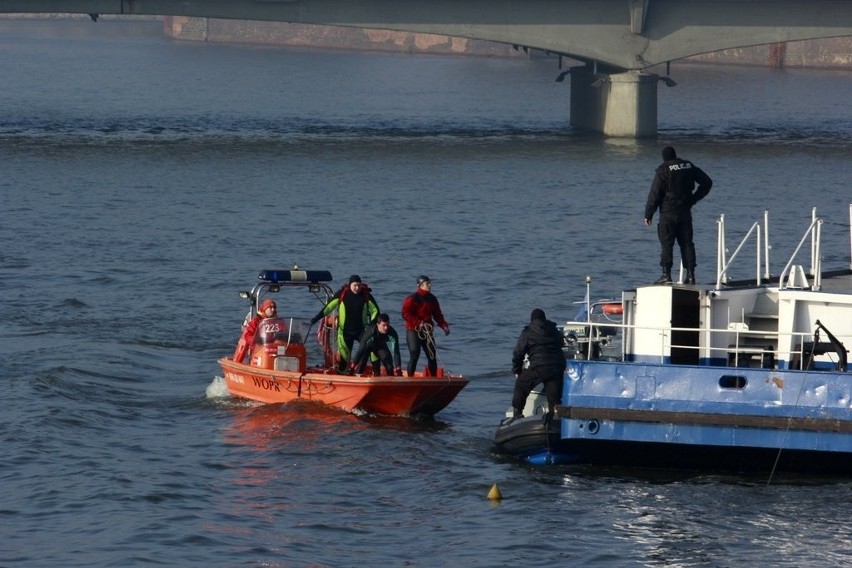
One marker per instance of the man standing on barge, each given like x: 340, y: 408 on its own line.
x: 672, y: 193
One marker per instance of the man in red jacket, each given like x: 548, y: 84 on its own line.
x: 419, y: 310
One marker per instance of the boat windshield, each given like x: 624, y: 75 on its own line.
x: 279, y: 330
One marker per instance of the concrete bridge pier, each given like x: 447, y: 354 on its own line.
x: 620, y: 105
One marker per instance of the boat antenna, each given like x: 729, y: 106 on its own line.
x: 589, y: 313
x: 588, y: 297
x: 850, y: 236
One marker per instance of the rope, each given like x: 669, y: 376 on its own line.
x: 786, y: 431
x: 426, y: 335
x: 548, y: 422
x: 325, y: 336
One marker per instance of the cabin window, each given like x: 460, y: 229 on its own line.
x: 732, y: 382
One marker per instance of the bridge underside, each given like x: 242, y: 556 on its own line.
x: 617, y: 36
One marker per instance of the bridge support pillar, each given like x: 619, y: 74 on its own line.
x: 622, y: 104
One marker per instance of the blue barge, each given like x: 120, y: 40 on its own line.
x: 734, y: 376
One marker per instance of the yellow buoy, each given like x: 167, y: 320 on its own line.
x: 495, y: 494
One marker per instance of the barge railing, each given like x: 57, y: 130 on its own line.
x: 767, y: 346
x: 814, y: 231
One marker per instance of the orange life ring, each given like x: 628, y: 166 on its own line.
x: 613, y: 308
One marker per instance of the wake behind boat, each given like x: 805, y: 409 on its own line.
x: 278, y: 370
x: 735, y: 376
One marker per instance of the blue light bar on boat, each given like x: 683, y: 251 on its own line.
x: 276, y: 276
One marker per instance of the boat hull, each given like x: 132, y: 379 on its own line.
x: 634, y: 454
x: 680, y: 417
x: 533, y: 439
x: 394, y: 396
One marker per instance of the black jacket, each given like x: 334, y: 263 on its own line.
x: 671, y: 191
x: 372, y: 341
x: 542, y: 342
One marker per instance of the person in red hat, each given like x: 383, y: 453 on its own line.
x: 264, y: 329
x: 269, y: 326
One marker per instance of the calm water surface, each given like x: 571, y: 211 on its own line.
x: 145, y: 181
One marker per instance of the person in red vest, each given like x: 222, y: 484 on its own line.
x: 263, y: 329
x: 421, y: 312
x: 268, y: 326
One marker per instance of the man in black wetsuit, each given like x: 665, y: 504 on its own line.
x: 672, y: 193
x: 356, y: 309
x: 541, y: 343
x: 382, y: 341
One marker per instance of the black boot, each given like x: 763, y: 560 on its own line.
x: 690, y: 276
x: 666, y: 277
x: 516, y: 415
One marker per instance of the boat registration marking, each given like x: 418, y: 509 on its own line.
x: 267, y: 384
x: 263, y: 383
x: 233, y: 377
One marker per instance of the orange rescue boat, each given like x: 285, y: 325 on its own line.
x: 277, y: 368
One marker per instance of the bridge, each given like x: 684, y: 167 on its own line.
x: 619, y: 41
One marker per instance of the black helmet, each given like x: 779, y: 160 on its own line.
x: 422, y: 278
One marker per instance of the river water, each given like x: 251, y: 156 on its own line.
x: 145, y: 181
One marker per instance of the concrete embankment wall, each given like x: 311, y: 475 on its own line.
x: 329, y: 37
x: 834, y: 53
